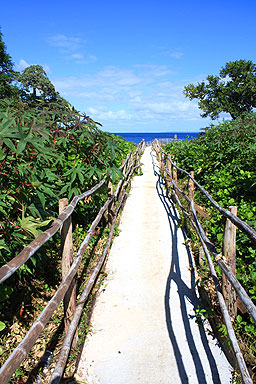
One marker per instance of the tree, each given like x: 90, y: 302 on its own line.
x: 7, y: 74
x: 233, y: 91
x: 36, y: 85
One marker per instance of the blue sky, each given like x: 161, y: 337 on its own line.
x: 125, y: 63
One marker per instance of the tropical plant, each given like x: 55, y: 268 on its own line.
x: 43, y: 159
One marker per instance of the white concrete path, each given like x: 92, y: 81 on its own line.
x: 144, y: 328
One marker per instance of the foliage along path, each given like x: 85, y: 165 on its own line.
x: 144, y: 328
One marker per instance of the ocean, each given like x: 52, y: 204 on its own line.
x: 137, y: 137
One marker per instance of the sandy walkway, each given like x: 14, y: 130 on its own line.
x: 143, y: 325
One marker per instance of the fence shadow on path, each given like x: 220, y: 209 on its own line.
x: 185, y: 294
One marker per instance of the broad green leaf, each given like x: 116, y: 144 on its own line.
x: 41, y: 198
x: 10, y: 144
x: 2, y: 326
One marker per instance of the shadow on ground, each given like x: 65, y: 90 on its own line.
x: 185, y: 294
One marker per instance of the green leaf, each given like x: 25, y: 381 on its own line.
x: 32, y: 225
x: 2, y: 326
x: 41, y: 198
x: 81, y: 177
x: 3, y: 245
x: 64, y: 189
x: 21, y: 146
x: 10, y: 144
x: 2, y: 155
x: 219, y: 236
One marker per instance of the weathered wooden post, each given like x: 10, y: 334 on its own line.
x: 169, y: 168
x: 122, y: 185
x: 175, y: 178
x: 67, y: 260
x: 111, y: 205
x: 137, y: 164
x: 229, y: 254
x: 124, y: 168
x: 162, y: 164
x: 191, y: 186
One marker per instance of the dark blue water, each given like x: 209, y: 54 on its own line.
x: 137, y: 137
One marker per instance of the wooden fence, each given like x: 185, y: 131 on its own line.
x: 163, y: 141
x: 168, y: 170
x: 66, y: 290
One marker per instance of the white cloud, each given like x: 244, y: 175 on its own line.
x: 167, y: 51
x: 100, y: 114
x: 155, y: 70
x: 71, y: 48
x: 22, y: 65
x: 141, y: 94
x: 47, y: 69
x: 176, y: 54
x: 77, y: 56
x: 119, y: 77
x: 65, y: 42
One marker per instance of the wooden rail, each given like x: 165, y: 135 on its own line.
x: 163, y: 141
x: 168, y: 170
x: 18, y: 355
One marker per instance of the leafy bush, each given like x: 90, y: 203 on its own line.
x: 47, y: 154
x: 223, y: 159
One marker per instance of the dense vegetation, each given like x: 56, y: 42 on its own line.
x: 223, y: 158
x: 42, y: 159
x: 48, y: 150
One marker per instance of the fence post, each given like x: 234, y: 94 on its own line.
x: 67, y: 259
x: 162, y: 164
x: 111, y: 205
x: 122, y: 185
x: 137, y: 163
x: 191, y: 186
x: 124, y: 169
x: 169, y: 168
x: 175, y: 178
x: 229, y: 254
